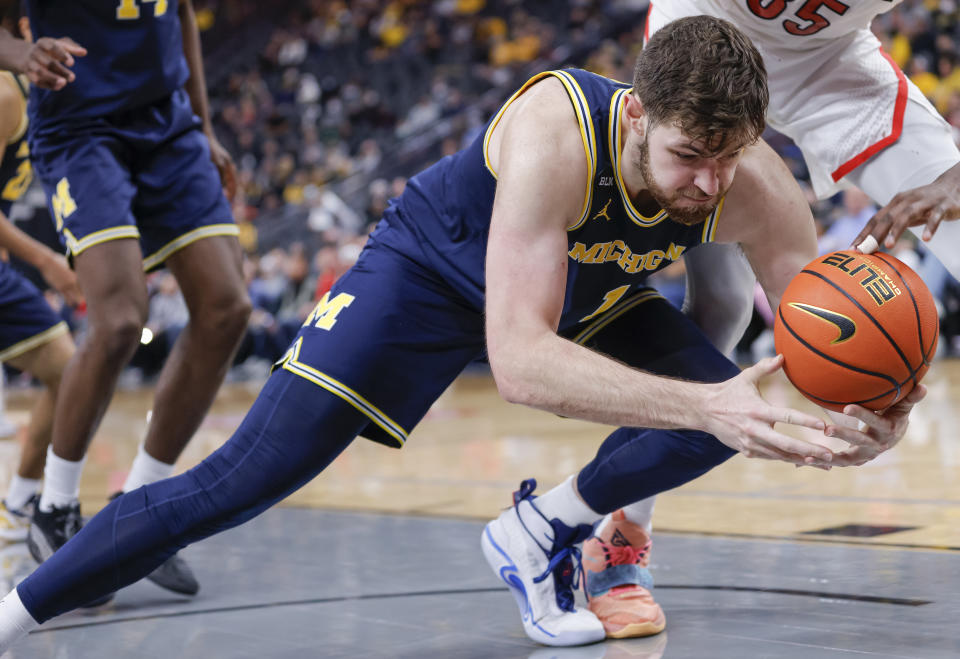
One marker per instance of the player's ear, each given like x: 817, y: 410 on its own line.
x: 636, y: 114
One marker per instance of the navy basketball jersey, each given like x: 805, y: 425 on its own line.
x: 612, y: 247
x: 134, y: 55
x: 16, y: 174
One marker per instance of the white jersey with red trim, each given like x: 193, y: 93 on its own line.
x: 832, y: 88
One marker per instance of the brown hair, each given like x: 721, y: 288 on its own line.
x: 704, y: 75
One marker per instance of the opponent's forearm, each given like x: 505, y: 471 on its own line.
x: 559, y: 376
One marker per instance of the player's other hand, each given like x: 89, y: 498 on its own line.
x: 739, y: 417
x: 926, y: 206
x: 56, y: 272
x: 47, y: 62
x: 225, y: 165
x: 876, y: 432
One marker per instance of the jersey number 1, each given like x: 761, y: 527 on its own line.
x: 129, y: 10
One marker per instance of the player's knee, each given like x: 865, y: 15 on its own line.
x: 226, y: 317
x: 118, y: 336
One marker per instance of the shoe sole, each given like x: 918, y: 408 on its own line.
x: 504, y: 567
x: 637, y: 629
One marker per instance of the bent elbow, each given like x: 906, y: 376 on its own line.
x: 510, y: 385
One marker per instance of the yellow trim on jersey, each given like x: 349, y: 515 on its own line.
x: 710, y: 226
x: 613, y: 134
x: 35, y: 341
x: 497, y: 117
x: 103, y: 235
x: 290, y: 362
x: 582, y: 109
x: 579, y: 100
x: 24, y: 120
x: 193, y: 236
x: 614, y: 313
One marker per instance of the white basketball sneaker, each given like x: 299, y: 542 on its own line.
x: 538, y: 560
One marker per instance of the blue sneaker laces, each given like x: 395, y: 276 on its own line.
x: 565, y: 559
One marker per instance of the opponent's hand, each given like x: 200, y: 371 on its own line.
x: 876, y: 432
x: 740, y: 418
x: 47, y: 62
x: 926, y: 206
x: 225, y: 165
x: 56, y: 272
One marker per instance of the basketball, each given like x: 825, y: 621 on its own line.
x: 856, y: 328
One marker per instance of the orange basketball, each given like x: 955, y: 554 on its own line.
x: 856, y: 328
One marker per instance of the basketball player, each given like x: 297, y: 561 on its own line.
x: 32, y: 337
x: 857, y: 120
x: 121, y: 139
x: 438, y: 284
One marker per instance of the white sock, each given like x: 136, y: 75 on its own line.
x: 146, y: 469
x: 15, y: 621
x: 563, y: 503
x: 20, y: 491
x: 640, y: 513
x: 61, y: 481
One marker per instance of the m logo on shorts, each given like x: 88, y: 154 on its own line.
x: 324, y: 315
x: 62, y: 203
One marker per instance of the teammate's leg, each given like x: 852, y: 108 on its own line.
x: 111, y: 275
x: 46, y: 363
x: 210, y: 277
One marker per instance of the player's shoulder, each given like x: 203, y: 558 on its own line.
x: 544, y: 108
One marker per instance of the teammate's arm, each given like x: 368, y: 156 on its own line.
x: 197, y: 90
x: 46, y: 62
x: 52, y: 266
x: 767, y: 214
x: 926, y: 206
x: 540, y: 191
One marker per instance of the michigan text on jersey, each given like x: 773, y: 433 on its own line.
x: 627, y: 259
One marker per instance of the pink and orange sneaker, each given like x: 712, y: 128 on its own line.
x: 617, y: 581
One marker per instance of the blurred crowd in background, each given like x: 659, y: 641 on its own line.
x: 328, y: 105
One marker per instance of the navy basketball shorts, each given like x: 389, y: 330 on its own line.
x: 144, y: 174
x: 388, y: 339
x: 26, y: 320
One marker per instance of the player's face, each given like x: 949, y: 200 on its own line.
x: 683, y: 176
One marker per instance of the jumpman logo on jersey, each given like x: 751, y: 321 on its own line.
x: 603, y: 211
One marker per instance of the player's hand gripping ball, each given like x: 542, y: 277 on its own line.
x: 856, y: 328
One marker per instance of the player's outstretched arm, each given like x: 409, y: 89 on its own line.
x: 46, y: 62
x: 197, y: 90
x: 541, y: 168
x: 926, y: 206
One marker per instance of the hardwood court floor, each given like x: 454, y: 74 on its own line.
x: 380, y: 556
